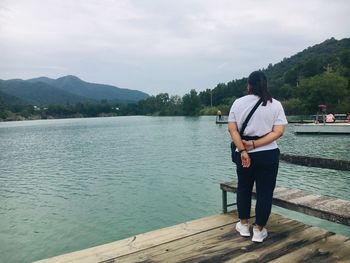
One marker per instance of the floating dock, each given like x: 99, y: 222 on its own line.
x: 222, y: 120
x: 214, y: 239
x: 322, y: 128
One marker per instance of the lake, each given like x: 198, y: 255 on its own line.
x: 70, y: 184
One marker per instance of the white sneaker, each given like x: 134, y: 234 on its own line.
x: 243, y: 229
x: 259, y: 236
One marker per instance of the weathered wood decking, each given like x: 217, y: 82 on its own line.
x: 324, y: 207
x: 213, y: 239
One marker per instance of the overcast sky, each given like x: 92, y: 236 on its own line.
x: 159, y: 46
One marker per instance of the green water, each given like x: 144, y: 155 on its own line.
x: 70, y: 184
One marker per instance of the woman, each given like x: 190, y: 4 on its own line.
x: 256, y: 159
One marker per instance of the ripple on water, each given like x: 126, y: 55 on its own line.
x: 71, y: 184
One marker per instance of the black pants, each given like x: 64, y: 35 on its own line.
x: 263, y: 171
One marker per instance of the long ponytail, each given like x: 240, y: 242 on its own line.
x: 258, y: 83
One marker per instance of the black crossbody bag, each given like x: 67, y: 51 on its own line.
x: 245, y: 123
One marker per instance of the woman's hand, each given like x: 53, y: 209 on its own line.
x: 248, y: 145
x: 245, y: 159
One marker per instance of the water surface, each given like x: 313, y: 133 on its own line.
x: 70, y: 184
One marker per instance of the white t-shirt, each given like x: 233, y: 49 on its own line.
x: 261, y: 122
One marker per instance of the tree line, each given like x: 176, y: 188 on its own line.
x: 317, y: 75
x: 330, y: 88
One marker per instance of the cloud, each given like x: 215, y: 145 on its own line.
x: 160, y: 46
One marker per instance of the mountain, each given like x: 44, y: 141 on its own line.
x: 317, y: 75
x: 93, y: 91
x: 6, y: 99
x: 68, y: 89
x: 330, y: 55
x: 37, y: 93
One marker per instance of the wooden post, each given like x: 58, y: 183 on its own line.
x: 224, y: 201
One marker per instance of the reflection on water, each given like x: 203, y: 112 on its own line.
x: 70, y: 184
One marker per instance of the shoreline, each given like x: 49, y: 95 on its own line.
x: 37, y: 117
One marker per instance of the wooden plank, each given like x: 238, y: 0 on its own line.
x: 270, y: 250
x: 227, y: 251
x: 214, y: 239
x: 144, y: 241
x: 334, y: 248
x: 324, y: 207
x: 173, y: 251
x: 212, y: 245
x: 284, y: 193
x: 231, y: 248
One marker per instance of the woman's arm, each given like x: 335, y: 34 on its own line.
x: 277, y: 132
x: 236, y: 138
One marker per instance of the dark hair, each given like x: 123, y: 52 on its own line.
x: 258, y: 83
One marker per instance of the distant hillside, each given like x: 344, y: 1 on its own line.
x: 68, y: 89
x: 38, y: 93
x: 311, y: 61
x: 6, y: 99
x: 317, y: 75
x: 331, y: 55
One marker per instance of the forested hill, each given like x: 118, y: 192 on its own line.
x: 8, y: 99
x: 66, y: 90
x: 316, y: 75
x: 312, y: 61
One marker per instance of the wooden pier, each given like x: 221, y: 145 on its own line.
x: 214, y: 239
x: 324, y: 207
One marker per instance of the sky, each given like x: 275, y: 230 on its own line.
x: 159, y: 46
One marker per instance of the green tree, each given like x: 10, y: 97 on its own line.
x: 191, y: 103
x: 286, y: 92
x: 294, y: 106
x: 3, y: 111
x: 148, y: 106
x: 291, y: 77
x: 345, y: 58
x: 205, y: 97
x: 312, y: 67
x: 162, y: 103
x: 175, y: 106
x: 327, y: 88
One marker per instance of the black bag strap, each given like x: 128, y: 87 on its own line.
x: 245, y: 123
